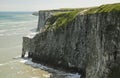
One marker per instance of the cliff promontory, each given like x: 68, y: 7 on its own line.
x: 86, y: 40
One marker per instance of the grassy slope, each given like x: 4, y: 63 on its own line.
x: 104, y: 8
x: 61, y: 19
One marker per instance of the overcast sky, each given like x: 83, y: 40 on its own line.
x: 35, y: 5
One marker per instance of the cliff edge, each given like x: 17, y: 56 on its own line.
x: 86, y: 40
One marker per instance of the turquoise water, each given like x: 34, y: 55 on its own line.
x: 15, y: 21
x: 13, y: 26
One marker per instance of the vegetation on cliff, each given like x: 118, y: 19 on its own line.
x: 61, y: 19
x: 104, y: 8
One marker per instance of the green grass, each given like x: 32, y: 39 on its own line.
x: 61, y: 19
x: 104, y: 9
x: 93, y: 10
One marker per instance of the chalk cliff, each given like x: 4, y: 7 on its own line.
x: 87, y: 40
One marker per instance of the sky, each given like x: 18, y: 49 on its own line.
x: 35, y: 5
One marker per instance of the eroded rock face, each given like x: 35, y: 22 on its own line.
x: 43, y: 16
x: 90, y: 44
x: 103, y: 44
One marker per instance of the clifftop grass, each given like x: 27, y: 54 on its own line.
x: 92, y: 10
x: 61, y: 19
x: 104, y: 9
x: 101, y: 9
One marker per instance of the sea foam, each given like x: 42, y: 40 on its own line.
x: 32, y: 34
x: 2, y: 64
x: 55, y: 72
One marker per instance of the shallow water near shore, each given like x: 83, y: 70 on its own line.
x: 13, y: 26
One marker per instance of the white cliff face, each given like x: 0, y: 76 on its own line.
x: 90, y: 44
x: 43, y: 16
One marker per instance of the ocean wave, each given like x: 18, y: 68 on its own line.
x: 16, y: 22
x: 32, y: 34
x: 17, y: 31
x: 56, y: 73
x: 1, y: 34
x: 2, y: 64
x: 53, y: 72
x: 2, y: 31
x: 16, y: 28
x: 12, y: 47
x: 11, y: 34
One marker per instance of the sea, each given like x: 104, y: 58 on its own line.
x: 13, y: 26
